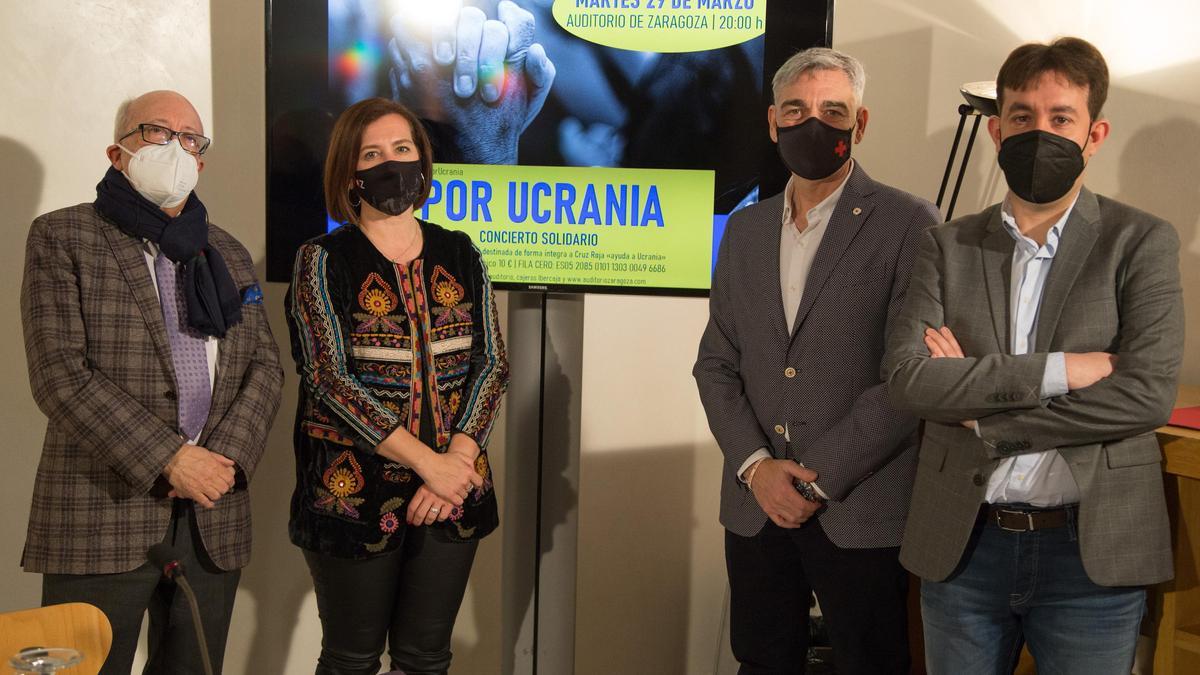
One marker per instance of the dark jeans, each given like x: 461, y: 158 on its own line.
x: 1017, y: 587
x: 862, y: 592
x: 408, y: 598
x: 126, y: 597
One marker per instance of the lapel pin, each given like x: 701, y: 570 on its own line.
x: 856, y: 211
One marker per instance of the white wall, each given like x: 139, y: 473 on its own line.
x: 651, y: 571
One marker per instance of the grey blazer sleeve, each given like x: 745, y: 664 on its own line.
x: 1140, y: 394
x: 951, y: 390
x: 718, y: 377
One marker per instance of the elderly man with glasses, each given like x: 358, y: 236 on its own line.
x: 150, y: 355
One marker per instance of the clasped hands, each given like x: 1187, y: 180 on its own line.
x: 773, y: 484
x: 199, y: 474
x: 449, y: 479
x: 1083, y: 369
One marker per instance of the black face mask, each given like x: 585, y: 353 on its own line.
x: 1040, y: 167
x: 391, y: 187
x: 813, y: 149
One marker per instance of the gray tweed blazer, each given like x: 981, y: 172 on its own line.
x: 100, y: 369
x: 834, y: 405
x: 1114, y: 287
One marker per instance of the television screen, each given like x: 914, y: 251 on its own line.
x: 585, y: 145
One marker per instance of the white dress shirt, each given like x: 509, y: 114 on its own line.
x: 797, y: 249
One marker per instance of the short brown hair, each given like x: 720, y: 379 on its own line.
x: 1075, y: 59
x: 342, y: 159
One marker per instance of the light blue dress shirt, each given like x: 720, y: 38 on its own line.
x: 1040, y: 478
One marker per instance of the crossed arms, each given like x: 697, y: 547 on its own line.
x: 1110, y: 396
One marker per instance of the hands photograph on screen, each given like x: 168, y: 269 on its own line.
x: 502, y: 83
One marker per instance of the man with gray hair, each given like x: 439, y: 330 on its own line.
x: 818, y: 465
x: 150, y: 355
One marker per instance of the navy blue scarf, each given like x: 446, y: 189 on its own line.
x: 213, y: 301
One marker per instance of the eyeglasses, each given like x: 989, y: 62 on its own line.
x: 158, y: 135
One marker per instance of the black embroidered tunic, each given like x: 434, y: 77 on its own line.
x: 380, y: 345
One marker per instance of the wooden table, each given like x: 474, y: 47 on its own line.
x: 1177, y: 602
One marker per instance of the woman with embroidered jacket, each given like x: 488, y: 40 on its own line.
x: 397, y: 342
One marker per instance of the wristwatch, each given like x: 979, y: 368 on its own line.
x: 807, y: 491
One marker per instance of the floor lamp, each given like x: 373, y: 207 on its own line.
x: 981, y: 102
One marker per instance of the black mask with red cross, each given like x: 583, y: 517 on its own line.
x: 813, y: 149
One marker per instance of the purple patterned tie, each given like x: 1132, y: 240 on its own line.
x: 188, y: 352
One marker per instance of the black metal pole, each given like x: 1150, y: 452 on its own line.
x: 962, y: 169
x: 962, y: 120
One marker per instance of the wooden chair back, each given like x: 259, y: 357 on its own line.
x: 77, y: 625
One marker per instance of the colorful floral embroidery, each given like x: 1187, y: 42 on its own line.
x: 389, y: 523
x: 321, y: 341
x: 376, y: 296
x: 483, y: 468
x: 490, y: 378
x: 448, y: 293
x: 460, y: 313
x: 378, y: 299
x: 342, y: 483
x: 391, y: 375
x: 383, y: 345
x: 342, y: 479
x: 446, y: 289
x: 376, y: 302
x: 456, y: 364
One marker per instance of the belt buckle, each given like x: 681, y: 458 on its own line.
x: 1028, y: 516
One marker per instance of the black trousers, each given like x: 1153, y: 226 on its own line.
x: 862, y: 592
x: 126, y: 597
x: 408, y: 598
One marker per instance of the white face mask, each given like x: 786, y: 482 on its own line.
x: 163, y: 174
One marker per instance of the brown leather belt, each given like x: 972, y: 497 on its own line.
x: 1028, y: 520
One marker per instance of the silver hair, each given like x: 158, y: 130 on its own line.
x: 820, y: 58
x: 121, y: 125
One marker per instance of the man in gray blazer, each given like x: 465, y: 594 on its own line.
x: 818, y: 465
x: 150, y: 354
x: 1040, y: 341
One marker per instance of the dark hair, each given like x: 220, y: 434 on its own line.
x: 344, y: 143
x: 1073, y: 58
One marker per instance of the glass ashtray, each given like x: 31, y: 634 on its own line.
x: 44, y: 659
